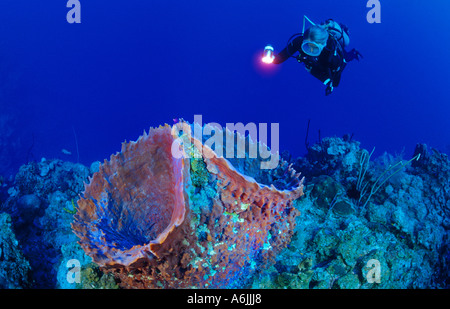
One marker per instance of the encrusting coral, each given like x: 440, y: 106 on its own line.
x: 143, y: 218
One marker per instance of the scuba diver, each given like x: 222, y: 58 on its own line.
x: 321, y: 48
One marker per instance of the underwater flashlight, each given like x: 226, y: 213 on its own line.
x: 268, y: 55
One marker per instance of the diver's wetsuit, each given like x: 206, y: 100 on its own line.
x: 328, y: 66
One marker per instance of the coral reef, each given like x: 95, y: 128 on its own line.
x: 40, y: 203
x: 145, y: 219
x: 14, y: 268
x: 91, y: 277
x: 405, y: 226
x: 229, y: 237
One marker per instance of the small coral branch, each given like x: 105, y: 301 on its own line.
x: 380, y: 181
x: 364, y: 166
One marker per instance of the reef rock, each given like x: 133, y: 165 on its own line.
x: 14, y: 268
x: 405, y: 227
x: 155, y: 220
x: 41, y: 206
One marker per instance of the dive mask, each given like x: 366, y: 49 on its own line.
x: 312, y: 49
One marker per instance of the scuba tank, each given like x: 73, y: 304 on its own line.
x: 338, y: 31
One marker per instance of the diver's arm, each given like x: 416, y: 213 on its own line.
x: 289, y: 50
x: 282, y: 56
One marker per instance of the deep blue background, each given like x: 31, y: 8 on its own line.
x: 134, y: 64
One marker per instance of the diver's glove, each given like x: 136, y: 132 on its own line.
x: 353, y: 54
x: 329, y: 89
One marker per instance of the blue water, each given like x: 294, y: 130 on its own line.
x: 134, y: 64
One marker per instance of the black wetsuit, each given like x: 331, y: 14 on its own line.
x: 327, y: 67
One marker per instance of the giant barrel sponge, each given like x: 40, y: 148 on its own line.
x: 144, y: 218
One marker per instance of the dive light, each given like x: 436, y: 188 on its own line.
x: 268, y: 55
